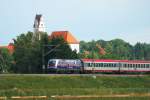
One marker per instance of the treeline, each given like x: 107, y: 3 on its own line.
x: 114, y: 49
x: 31, y: 54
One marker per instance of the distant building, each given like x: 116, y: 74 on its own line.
x: 68, y: 37
x: 10, y: 47
x: 38, y: 25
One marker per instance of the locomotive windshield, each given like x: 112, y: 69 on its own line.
x: 51, y: 63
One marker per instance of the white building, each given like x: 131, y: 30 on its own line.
x: 68, y: 37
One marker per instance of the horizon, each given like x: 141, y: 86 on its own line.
x: 87, y: 20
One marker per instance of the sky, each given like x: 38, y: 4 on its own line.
x: 86, y: 19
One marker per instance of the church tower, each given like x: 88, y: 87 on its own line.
x: 38, y: 26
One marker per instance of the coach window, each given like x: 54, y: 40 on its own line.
x: 130, y: 65
x: 143, y: 65
x: 147, y: 65
x: 125, y: 65
x: 105, y: 64
x: 102, y: 64
x: 108, y: 65
x: 136, y: 65
x: 99, y: 64
x: 92, y: 64
x: 115, y: 65
x: 96, y: 64
x: 112, y: 65
x: 139, y: 66
x: 89, y: 65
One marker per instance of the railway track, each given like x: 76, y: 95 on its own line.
x: 99, y: 75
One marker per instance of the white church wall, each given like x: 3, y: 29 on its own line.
x: 75, y: 47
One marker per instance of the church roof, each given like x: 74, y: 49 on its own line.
x: 68, y: 37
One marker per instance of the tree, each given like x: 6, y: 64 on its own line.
x: 61, y: 49
x: 114, y: 49
x: 139, y: 51
x: 28, y: 54
x: 6, y: 61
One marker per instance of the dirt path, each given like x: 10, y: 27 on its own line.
x: 100, y: 96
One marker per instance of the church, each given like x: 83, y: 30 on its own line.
x: 40, y: 27
x: 68, y: 37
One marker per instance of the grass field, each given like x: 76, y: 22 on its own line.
x: 25, y: 85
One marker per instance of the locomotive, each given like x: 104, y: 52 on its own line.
x: 98, y: 65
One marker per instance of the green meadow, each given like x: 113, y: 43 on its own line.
x: 32, y: 85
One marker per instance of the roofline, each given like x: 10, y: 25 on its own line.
x: 110, y: 60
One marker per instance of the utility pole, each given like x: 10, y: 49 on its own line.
x: 45, y: 54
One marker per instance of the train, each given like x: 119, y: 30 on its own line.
x: 98, y: 66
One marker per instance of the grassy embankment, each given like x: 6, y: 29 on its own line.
x: 74, y: 85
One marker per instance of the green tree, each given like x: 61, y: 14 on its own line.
x: 61, y: 49
x: 28, y: 54
x: 138, y: 51
x: 6, y: 61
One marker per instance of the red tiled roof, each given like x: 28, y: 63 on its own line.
x: 10, y: 47
x: 68, y: 37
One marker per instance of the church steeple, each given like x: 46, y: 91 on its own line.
x: 38, y: 27
x: 39, y: 23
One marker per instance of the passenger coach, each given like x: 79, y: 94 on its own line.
x: 93, y: 65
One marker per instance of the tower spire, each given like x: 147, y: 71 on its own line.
x: 38, y: 26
